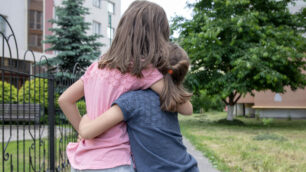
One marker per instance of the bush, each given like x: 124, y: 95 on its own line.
x: 202, y: 101
x: 27, y: 91
x: 82, y: 107
x: 5, y: 93
x: 267, y: 121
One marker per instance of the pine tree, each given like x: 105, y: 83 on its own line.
x: 70, y: 39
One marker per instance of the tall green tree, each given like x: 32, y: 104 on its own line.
x: 238, y: 46
x: 69, y: 38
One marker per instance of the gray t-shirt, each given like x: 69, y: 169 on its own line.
x: 155, y: 135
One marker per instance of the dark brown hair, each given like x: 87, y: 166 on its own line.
x: 174, y: 93
x: 141, y: 39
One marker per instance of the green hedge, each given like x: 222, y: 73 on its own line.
x: 5, y: 93
x: 37, y: 86
x: 82, y: 107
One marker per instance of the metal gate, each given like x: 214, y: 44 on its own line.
x: 34, y: 132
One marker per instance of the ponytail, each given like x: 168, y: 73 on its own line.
x: 174, y: 93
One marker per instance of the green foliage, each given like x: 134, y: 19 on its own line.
x: 267, y: 121
x: 8, y: 93
x: 201, y: 101
x: 82, y: 107
x: 238, y: 46
x: 34, y: 91
x: 69, y: 37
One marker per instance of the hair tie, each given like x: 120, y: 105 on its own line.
x: 170, y: 71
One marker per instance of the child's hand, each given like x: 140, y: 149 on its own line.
x: 80, y: 138
x: 83, y: 123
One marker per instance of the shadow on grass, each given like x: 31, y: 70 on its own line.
x: 235, y: 122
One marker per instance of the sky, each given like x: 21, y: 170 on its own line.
x: 172, y: 7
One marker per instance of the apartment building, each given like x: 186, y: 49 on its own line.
x: 29, y: 22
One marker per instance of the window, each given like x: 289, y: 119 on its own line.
x: 96, y: 3
x: 39, y: 22
x: 2, y: 25
x: 38, y: 43
x: 110, y: 32
x: 96, y: 27
x: 32, y: 40
x: 35, y: 40
x: 36, y: 20
x: 111, y: 7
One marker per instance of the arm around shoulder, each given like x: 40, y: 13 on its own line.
x: 90, y: 129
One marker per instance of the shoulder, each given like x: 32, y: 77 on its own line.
x: 138, y: 98
x: 89, y: 71
x: 140, y: 94
x: 94, y: 65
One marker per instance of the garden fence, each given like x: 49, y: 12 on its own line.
x: 34, y: 132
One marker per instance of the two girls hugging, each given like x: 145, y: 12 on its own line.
x: 133, y: 95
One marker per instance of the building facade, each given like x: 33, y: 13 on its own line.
x: 29, y: 21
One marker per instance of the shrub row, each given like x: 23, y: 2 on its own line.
x: 33, y: 91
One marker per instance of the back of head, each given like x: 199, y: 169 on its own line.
x: 174, y: 74
x: 140, y: 40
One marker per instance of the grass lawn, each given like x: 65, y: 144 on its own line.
x: 19, y: 153
x: 255, y: 145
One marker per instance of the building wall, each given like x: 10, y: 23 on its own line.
x: 49, y: 13
x: 282, y: 113
x: 101, y: 15
x: 290, y: 99
x: 16, y: 14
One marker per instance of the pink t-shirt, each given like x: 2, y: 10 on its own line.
x: 101, y: 88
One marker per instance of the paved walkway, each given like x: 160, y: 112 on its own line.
x: 203, y: 163
x: 28, y: 133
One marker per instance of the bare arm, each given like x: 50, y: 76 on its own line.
x: 67, y: 102
x: 90, y: 129
x: 184, y: 109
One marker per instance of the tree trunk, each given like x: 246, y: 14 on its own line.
x: 230, y: 114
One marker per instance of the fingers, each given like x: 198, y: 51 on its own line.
x: 79, y: 138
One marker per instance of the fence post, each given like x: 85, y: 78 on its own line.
x: 51, y: 119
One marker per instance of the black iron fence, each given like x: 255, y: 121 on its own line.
x: 34, y: 132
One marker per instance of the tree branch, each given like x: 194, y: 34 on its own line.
x: 235, y: 93
x: 225, y: 101
x: 235, y: 101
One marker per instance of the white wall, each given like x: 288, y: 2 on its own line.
x: 282, y: 113
x: 16, y: 13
